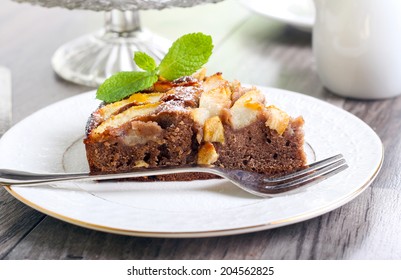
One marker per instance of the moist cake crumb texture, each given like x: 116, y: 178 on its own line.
x: 194, y: 120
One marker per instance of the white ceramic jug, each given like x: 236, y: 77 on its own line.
x: 357, y: 47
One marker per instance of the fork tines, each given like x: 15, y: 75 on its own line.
x: 314, y: 173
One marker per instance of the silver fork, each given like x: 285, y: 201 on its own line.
x: 254, y: 183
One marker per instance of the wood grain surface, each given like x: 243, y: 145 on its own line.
x: 248, y: 47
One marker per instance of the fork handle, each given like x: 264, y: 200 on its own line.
x: 22, y: 178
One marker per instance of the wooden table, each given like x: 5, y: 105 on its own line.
x: 251, y: 48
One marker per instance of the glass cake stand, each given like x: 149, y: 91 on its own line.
x: 90, y: 59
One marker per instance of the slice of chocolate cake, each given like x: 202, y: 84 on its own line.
x: 194, y: 120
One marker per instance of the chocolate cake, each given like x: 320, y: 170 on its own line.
x: 194, y: 120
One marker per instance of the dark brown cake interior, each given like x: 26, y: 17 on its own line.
x: 169, y: 136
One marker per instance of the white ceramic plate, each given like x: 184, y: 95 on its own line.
x: 297, y: 13
x: 51, y: 141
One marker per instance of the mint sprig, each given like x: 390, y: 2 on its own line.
x: 187, y: 54
x: 145, y: 61
x: 124, y: 84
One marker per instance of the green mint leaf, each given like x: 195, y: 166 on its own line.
x: 144, y: 61
x: 124, y: 84
x: 188, y: 54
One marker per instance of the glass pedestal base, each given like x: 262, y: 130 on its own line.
x: 91, y: 59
